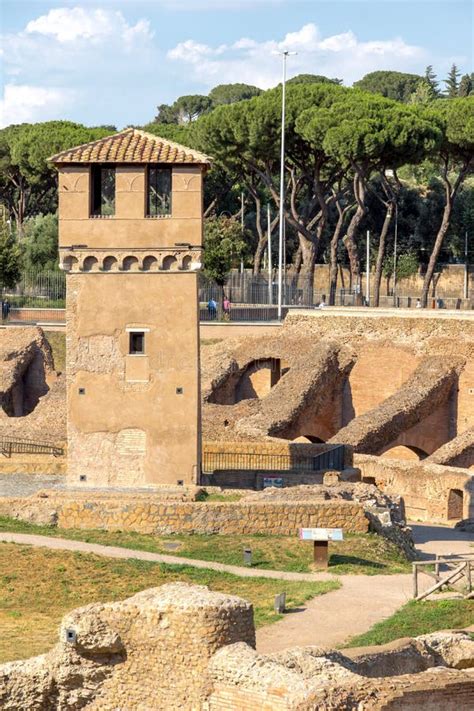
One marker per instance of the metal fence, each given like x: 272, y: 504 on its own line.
x: 254, y: 461
x: 37, y: 290
x: 26, y: 446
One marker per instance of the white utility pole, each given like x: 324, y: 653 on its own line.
x: 242, y: 227
x: 367, y: 273
x: 269, y: 245
x: 284, y: 54
x: 466, y: 267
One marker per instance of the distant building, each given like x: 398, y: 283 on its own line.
x: 130, y: 236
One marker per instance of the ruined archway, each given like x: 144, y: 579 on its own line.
x: 402, y: 451
x: 455, y: 504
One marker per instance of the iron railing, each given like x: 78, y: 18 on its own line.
x: 26, y: 446
x: 255, y: 461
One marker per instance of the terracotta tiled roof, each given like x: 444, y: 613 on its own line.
x: 130, y: 146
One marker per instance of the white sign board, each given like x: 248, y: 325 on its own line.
x: 321, y: 534
x: 272, y: 481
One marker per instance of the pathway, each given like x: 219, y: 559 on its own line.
x: 65, y: 544
x: 331, y: 619
x: 327, y: 620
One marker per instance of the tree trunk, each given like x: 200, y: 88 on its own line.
x: 381, y: 252
x: 437, y: 247
x: 257, y: 259
x: 333, y: 259
x: 351, y: 246
x: 298, y: 259
x: 308, y: 253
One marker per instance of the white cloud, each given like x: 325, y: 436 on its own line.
x: 343, y: 56
x: 23, y: 103
x: 80, y: 23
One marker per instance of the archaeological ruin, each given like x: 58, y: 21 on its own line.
x: 184, y: 647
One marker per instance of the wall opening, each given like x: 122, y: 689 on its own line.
x: 455, y: 504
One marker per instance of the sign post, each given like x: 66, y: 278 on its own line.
x: 321, y: 538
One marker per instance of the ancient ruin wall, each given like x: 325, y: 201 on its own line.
x: 426, y: 390
x: 427, y: 488
x: 154, y: 515
x: 150, y: 651
x: 184, y: 647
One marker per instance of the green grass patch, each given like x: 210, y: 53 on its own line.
x: 359, y: 553
x: 38, y: 586
x: 416, y: 618
x: 57, y: 341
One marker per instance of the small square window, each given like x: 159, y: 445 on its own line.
x: 137, y: 343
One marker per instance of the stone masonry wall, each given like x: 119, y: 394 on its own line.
x: 150, y: 652
x: 149, y: 514
x: 188, y: 648
x: 425, y: 487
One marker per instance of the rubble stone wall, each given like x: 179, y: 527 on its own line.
x: 184, y: 647
x: 425, y: 487
x: 148, y: 515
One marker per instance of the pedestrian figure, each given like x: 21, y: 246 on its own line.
x: 5, y: 309
x: 226, y: 306
x: 418, y: 304
x: 322, y: 303
x: 212, y: 308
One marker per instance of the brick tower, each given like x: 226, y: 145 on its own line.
x: 130, y: 236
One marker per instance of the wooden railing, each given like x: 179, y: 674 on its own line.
x: 444, y: 570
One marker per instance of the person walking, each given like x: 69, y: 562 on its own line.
x: 5, y: 310
x: 212, y: 309
x: 226, y: 308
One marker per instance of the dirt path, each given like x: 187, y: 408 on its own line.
x: 64, y: 544
x: 330, y: 619
x: 362, y: 600
x: 327, y: 620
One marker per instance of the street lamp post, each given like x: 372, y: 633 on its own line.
x: 395, y: 246
x: 285, y: 54
x: 466, y: 267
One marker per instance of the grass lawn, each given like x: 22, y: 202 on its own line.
x: 57, y: 341
x: 38, y: 586
x: 358, y: 553
x: 416, y: 618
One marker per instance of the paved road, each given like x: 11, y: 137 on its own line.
x: 27, y: 484
x: 444, y: 540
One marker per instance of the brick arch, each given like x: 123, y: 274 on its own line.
x: 170, y: 263
x: 402, y: 451
x: 70, y: 263
x: 186, y: 262
x: 150, y: 263
x: 109, y: 263
x: 90, y: 264
x: 130, y: 263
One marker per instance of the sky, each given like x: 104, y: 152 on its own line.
x: 113, y: 61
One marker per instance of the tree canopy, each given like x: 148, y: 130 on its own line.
x: 393, y: 85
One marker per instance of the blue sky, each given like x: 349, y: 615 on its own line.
x: 112, y: 62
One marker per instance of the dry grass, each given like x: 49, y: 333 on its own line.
x: 368, y: 554
x: 57, y: 341
x: 38, y: 586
